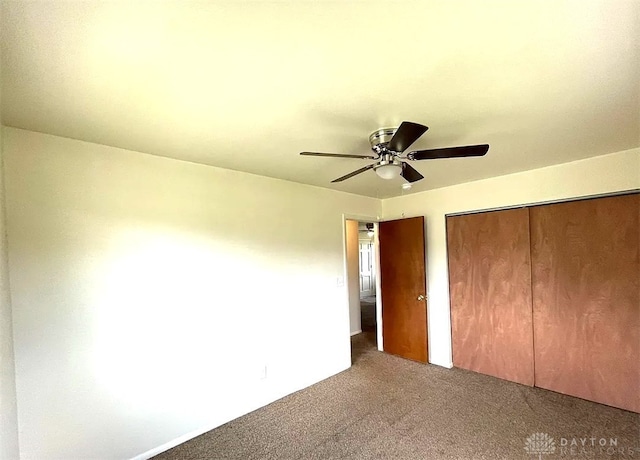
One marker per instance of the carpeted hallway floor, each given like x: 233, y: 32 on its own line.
x: 368, y: 314
x: 385, y: 407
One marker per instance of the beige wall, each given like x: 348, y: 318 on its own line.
x: 353, y: 275
x: 609, y: 173
x: 155, y: 299
x: 8, y: 411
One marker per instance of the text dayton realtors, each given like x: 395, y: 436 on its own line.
x: 577, y: 446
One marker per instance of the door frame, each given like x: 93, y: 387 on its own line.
x: 376, y: 250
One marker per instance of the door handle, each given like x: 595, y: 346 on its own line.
x: 422, y: 297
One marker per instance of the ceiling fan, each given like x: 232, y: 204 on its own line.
x: 388, y: 145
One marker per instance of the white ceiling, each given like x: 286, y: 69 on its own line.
x: 248, y: 85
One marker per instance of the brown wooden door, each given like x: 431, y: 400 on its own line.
x: 490, y: 290
x: 586, y: 299
x: 402, y: 280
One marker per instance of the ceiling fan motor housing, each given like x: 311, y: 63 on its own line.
x: 380, y: 139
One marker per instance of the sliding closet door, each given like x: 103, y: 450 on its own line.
x: 586, y: 299
x: 490, y: 289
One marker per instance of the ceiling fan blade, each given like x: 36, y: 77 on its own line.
x: 450, y: 152
x: 354, y: 173
x: 406, y: 135
x: 338, y: 155
x: 410, y: 173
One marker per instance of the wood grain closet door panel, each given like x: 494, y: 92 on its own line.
x: 490, y: 289
x: 586, y: 299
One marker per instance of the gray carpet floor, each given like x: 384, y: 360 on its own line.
x: 386, y: 407
x: 368, y: 314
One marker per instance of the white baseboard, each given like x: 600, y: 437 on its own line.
x: 173, y: 443
x: 445, y: 365
x: 359, y: 331
x: 184, y: 438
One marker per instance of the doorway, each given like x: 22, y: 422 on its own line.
x: 393, y: 259
x: 367, y: 278
x: 362, y: 281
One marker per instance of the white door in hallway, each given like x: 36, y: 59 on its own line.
x: 367, y: 272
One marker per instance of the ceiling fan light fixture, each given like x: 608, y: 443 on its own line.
x: 388, y: 170
x: 370, y: 230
